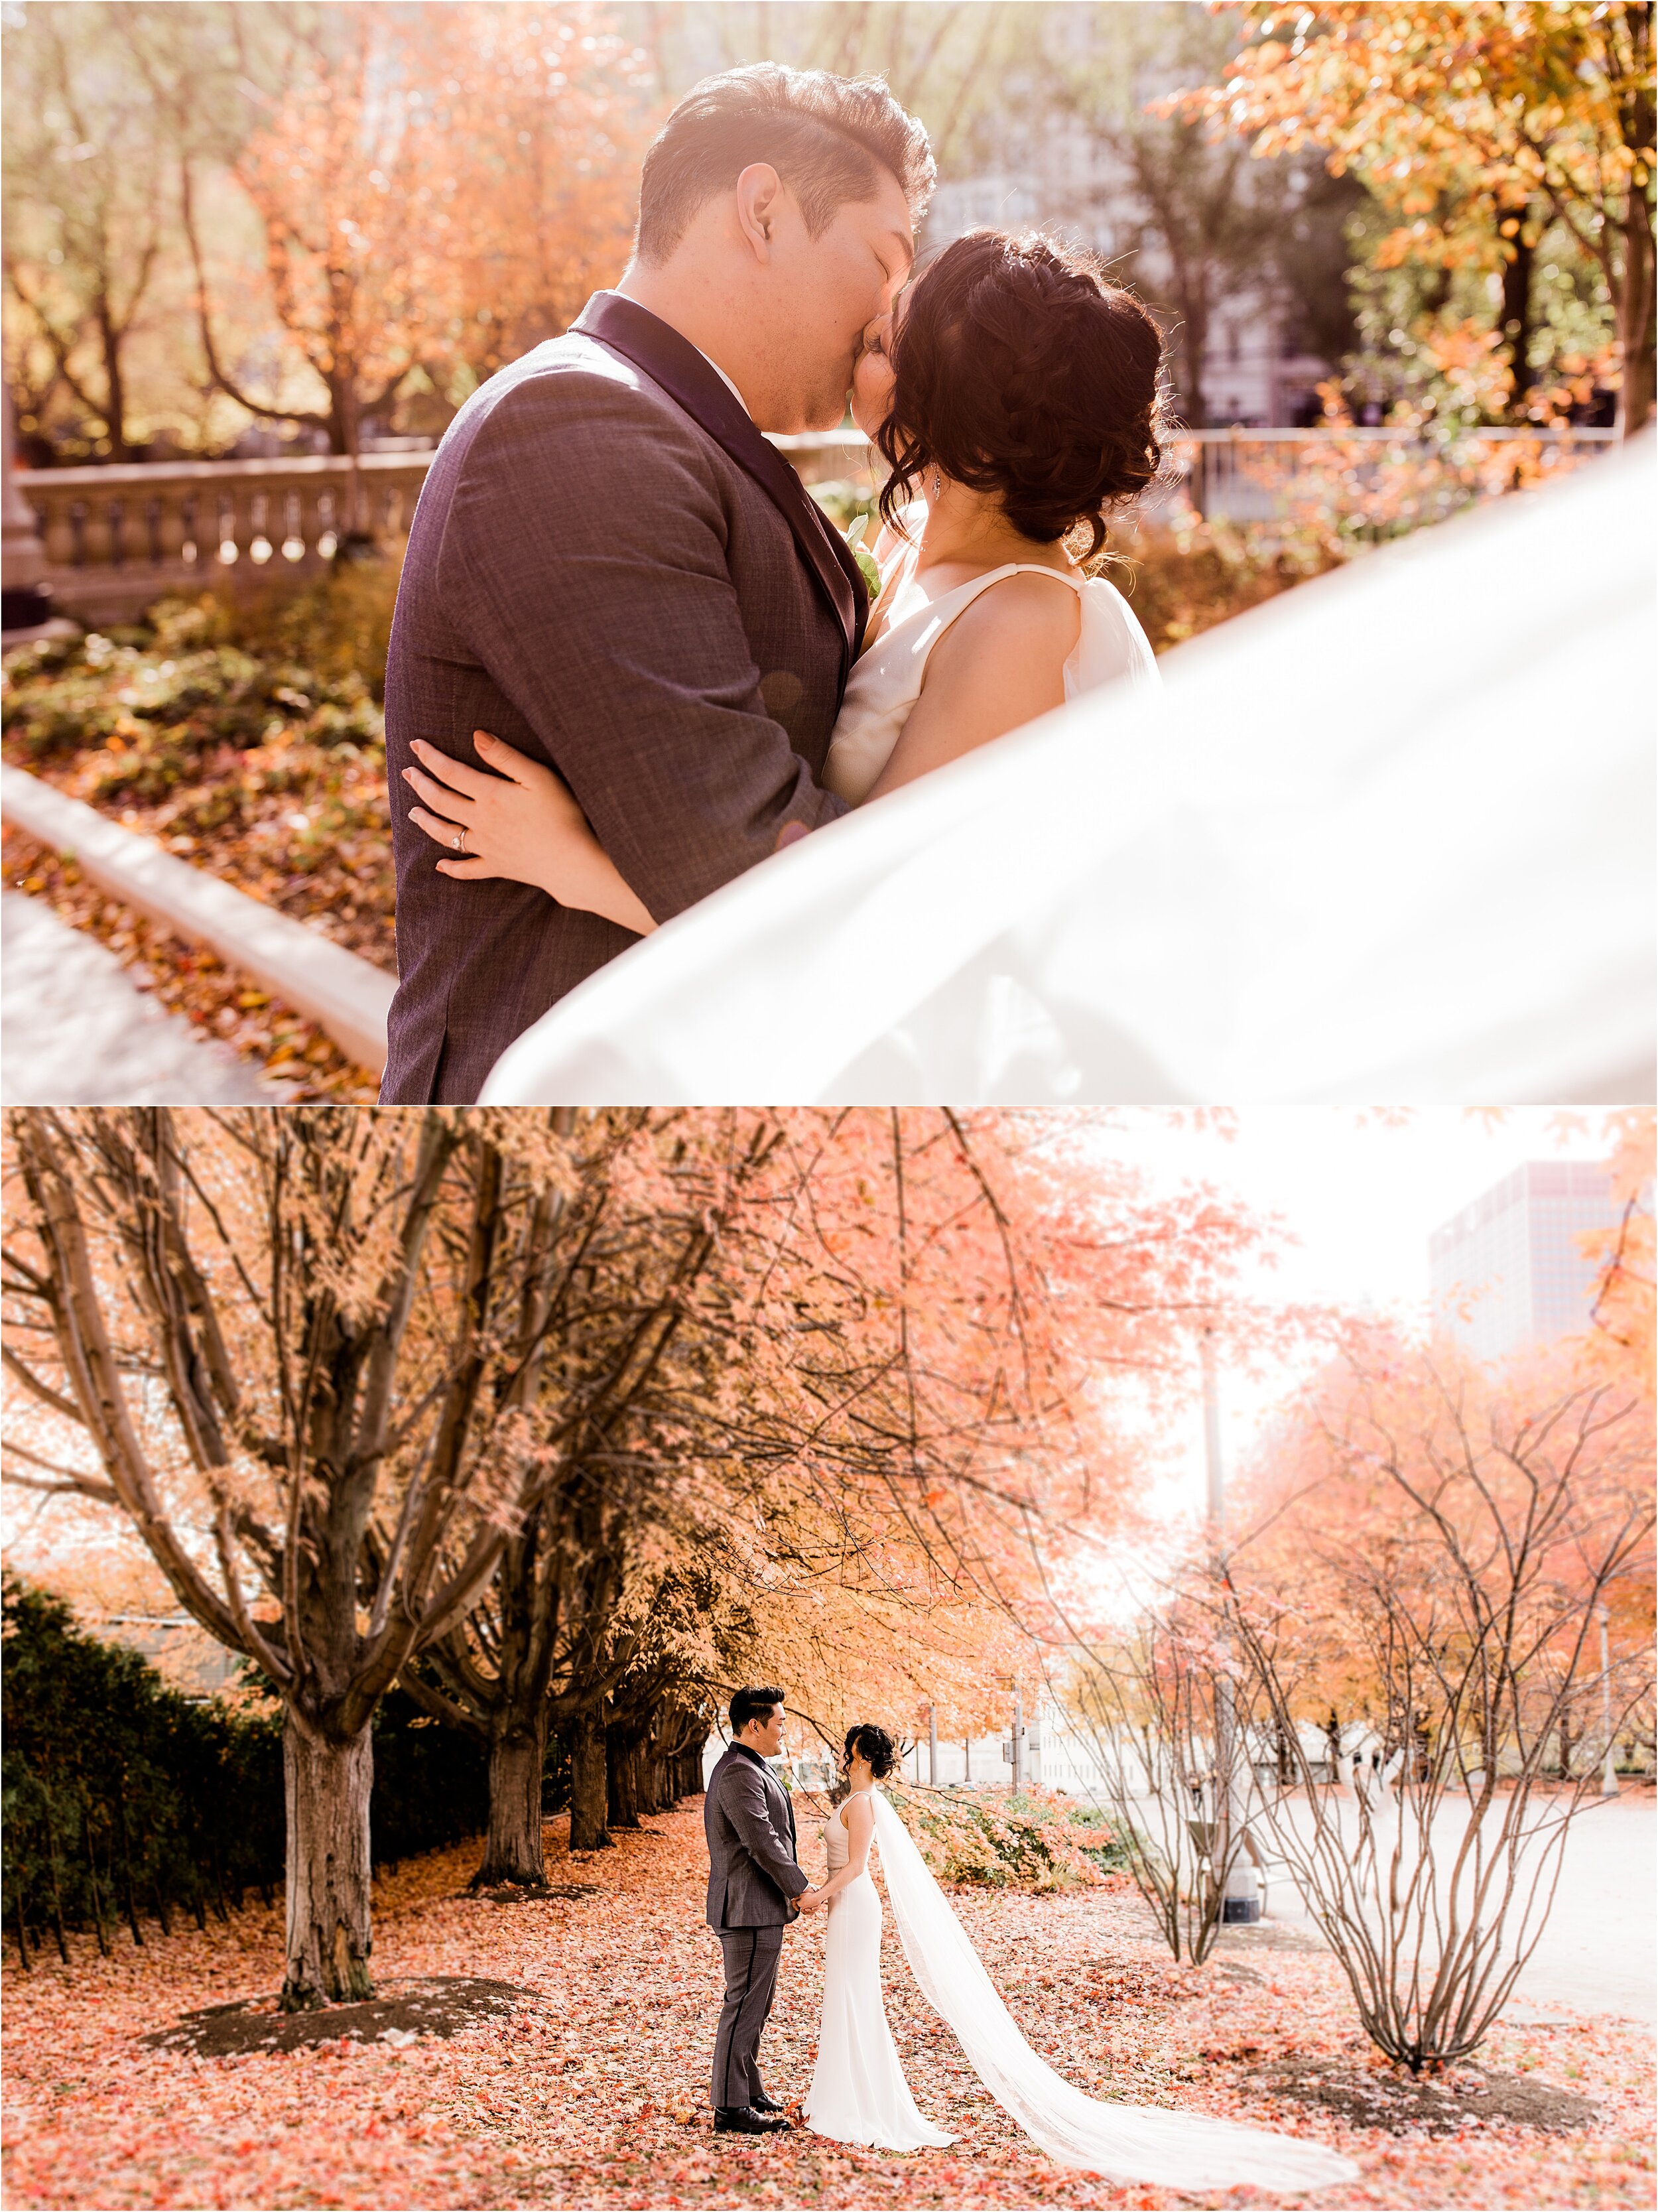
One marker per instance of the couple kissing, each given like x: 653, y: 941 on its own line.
x: 632, y: 658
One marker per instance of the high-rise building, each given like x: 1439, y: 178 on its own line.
x: 1514, y: 1257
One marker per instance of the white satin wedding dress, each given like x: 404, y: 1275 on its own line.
x: 886, y: 680
x: 858, y: 2093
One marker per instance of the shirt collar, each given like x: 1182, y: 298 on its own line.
x: 743, y: 404
x: 748, y: 1751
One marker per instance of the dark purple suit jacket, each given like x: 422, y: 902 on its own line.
x: 611, y: 568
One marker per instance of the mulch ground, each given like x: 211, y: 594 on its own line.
x: 589, y: 2089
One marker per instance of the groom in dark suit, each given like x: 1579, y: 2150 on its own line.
x: 611, y: 568
x: 756, y: 1888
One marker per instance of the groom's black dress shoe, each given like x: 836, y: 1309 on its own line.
x: 762, y: 2103
x: 744, y: 2120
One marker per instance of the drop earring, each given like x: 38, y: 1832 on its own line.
x: 938, y: 485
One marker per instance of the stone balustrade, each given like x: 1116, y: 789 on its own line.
x: 119, y: 537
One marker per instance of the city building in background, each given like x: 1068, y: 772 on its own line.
x: 1510, y: 1270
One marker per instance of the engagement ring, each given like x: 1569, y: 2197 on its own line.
x: 460, y: 841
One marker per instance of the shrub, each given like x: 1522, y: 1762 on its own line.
x: 125, y: 1801
x: 993, y: 1839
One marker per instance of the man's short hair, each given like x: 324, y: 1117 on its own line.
x: 753, y: 1705
x: 827, y: 137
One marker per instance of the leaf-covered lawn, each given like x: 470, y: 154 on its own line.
x: 596, y: 2095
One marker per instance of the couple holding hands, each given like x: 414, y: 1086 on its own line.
x: 859, y: 2092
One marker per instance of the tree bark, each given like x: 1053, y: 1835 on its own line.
x: 622, y: 1764
x: 1635, y: 318
x: 588, y: 1792
x: 513, y: 1852
x: 651, y: 1779
x: 329, y: 1939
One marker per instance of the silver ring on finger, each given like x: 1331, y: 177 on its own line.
x: 458, y: 842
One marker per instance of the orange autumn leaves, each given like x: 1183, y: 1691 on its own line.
x: 917, y: 1368
x: 1474, y: 125
x: 439, y: 188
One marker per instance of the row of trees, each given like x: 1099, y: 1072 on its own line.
x: 333, y: 213
x: 577, y: 1419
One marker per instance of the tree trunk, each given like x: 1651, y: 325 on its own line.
x: 622, y: 1779
x: 513, y: 1852
x: 588, y: 1791
x: 1635, y: 318
x: 327, y: 1788
x: 1517, y: 318
x: 651, y: 1777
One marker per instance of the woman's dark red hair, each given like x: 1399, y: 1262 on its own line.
x: 1019, y: 371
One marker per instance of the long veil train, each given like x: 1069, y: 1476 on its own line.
x: 1126, y: 2142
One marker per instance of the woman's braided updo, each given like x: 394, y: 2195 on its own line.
x: 1019, y: 371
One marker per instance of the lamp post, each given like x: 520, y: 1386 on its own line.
x: 1609, y: 1769
x: 932, y: 1746
x: 1241, y: 1900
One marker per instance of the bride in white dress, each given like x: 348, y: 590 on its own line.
x: 858, y: 2093
x: 1016, y: 403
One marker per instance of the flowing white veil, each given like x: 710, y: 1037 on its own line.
x: 1124, y: 2142
x: 1386, y: 837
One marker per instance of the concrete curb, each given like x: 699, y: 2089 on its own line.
x: 344, y: 994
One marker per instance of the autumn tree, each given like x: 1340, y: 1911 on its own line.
x: 1457, y: 1530
x: 1474, y: 125
x: 1191, y: 220
x: 1620, y: 1336
x: 291, y: 1350
x: 849, y: 1377
x: 874, y: 1346
x: 542, y: 117
x: 622, y: 1411
x: 87, y: 220
x: 437, y: 189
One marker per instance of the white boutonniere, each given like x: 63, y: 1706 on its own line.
x: 863, y: 556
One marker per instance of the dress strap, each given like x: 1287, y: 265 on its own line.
x: 946, y: 609
x: 970, y: 591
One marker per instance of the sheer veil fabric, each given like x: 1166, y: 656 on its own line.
x: 1124, y: 2142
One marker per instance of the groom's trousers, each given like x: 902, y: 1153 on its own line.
x: 751, y: 1955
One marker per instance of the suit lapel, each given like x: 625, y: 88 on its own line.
x: 686, y: 376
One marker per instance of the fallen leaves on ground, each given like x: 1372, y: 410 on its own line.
x: 596, y: 2095
x: 219, y: 1002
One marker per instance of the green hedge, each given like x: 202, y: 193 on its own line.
x: 124, y: 1801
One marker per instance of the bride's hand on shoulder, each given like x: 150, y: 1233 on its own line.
x: 520, y: 824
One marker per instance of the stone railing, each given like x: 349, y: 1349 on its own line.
x: 117, y: 537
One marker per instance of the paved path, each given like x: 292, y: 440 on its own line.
x: 76, y: 1033
x: 1599, y: 1952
